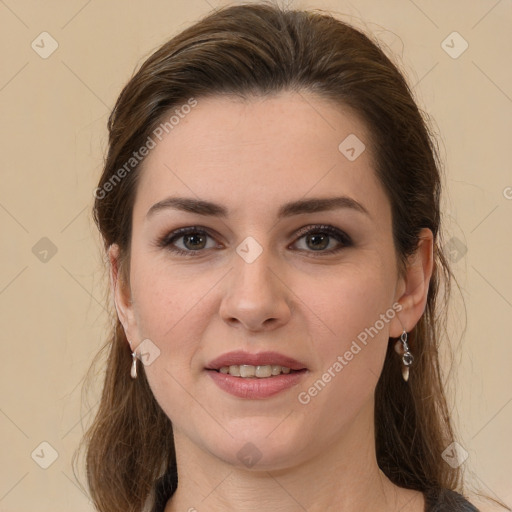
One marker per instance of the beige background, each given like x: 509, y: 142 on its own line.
x: 54, y: 114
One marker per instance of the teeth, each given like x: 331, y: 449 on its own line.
x: 247, y: 370
x: 234, y: 370
x: 263, y: 371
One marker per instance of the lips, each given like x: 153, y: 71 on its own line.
x: 239, y: 358
x: 245, y: 375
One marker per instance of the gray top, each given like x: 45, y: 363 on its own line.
x: 444, y: 500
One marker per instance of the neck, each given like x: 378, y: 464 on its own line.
x: 345, y: 476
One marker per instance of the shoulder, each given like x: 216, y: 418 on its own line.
x: 445, y: 500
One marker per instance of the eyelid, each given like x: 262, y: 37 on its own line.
x: 326, y: 228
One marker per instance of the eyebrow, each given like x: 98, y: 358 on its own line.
x: 313, y: 205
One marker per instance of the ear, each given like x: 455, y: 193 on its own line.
x: 412, y: 289
x: 122, y: 297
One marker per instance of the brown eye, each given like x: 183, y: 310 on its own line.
x: 194, y: 241
x: 189, y: 241
x: 317, y: 241
x: 323, y: 239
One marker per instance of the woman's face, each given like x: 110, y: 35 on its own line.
x: 266, y: 265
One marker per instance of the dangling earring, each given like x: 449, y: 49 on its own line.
x: 133, y: 371
x: 407, y: 357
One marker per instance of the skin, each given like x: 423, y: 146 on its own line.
x: 251, y: 157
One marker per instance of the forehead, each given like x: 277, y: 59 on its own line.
x: 262, y: 150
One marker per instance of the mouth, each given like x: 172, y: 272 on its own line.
x: 255, y: 375
x: 262, y: 365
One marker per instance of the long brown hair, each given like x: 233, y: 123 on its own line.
x: 263, y: 49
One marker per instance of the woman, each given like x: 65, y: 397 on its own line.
x: 270, y: 211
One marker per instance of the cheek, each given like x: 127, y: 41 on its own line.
x: 170, y: 311
x: 350, y: 342
x: 350, y: 301
x: 172, y: 314
x: 168, y: 302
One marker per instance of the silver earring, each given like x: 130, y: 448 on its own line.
x: 133, y: 371
x: 407, y: 357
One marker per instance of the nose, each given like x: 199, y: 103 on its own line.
x: 255, y: 297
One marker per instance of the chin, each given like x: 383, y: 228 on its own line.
x: 257, y: 457
x: 258, y: 447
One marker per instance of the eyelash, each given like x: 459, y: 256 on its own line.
x: 167, y: 240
